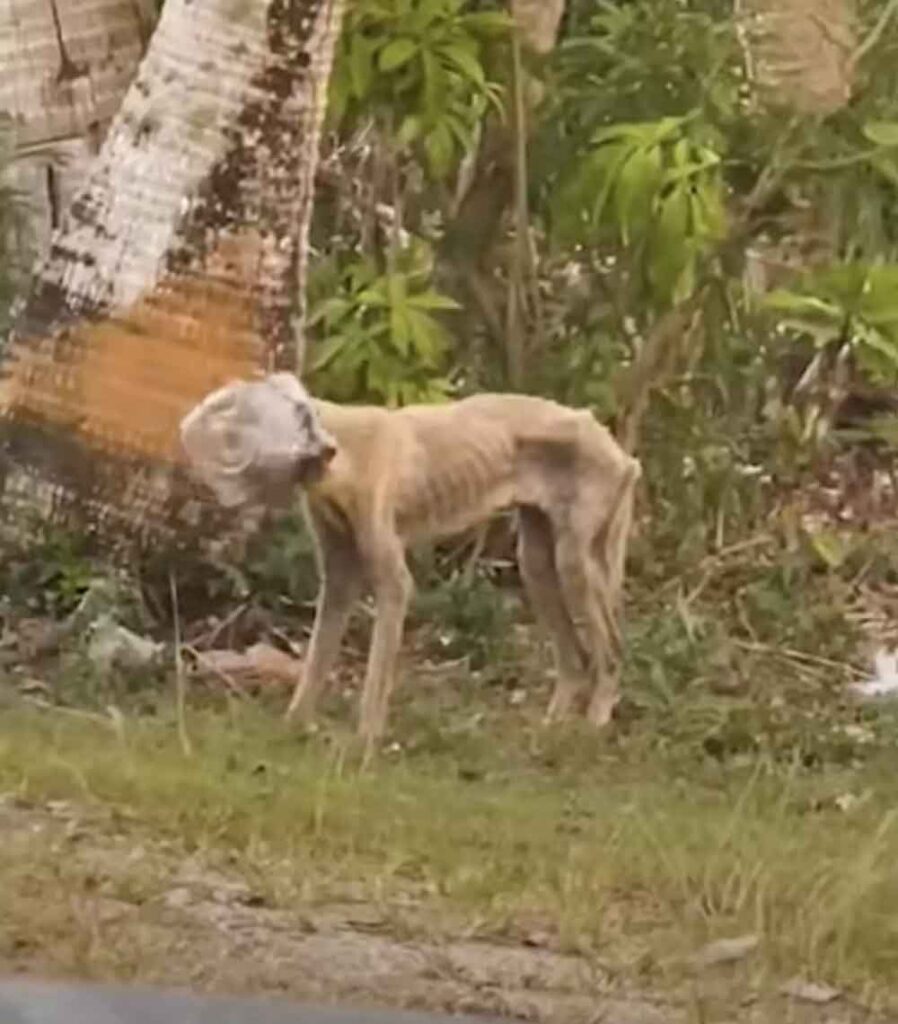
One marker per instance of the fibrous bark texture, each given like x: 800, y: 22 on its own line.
x: 800, y: 51
x: 64, y: 67
x: 538, y: 22
x: 180, y: 263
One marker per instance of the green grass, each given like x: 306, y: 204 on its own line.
x: 739, y: 793
x: 613, y: 847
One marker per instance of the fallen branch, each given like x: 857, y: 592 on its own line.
x: 225, y: 677
x: 209, y: 638
x: 790, y: 654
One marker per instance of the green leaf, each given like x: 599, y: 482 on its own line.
x: 379, y: 329
x: 845, y: 283
x: 354, y: 354
x: 669, y: 255
x: 373, y: 11
x: 575, y: 194
x: 887, y: 168
x: 400, y: 330
x: 829, y: 547
x: 397, y: 290
x: 647, y: 133
x: 429, y: 339
x: 438, y: 390
x: 637, y: 188
x: 409, y: 130
x: 361, y: 66
x: 782, y: 301
x: 873, y: 339
x: 465, y: 59
x: 373, y: 297
x: 425, y: 14
x: 881, y: 298
x: 435, y: 84
x: 377, y: 377
x: 330, y: 311
x: 709, y: 210
x: 882, y: 133
x: 681, y: 153
x: 396, y: 53
x: 689, y: 168
x: 327, y: 352
x: 361, y: 273
x: 487, y: 23
x: 616, y: 157
x: 440, y: 150
x: 461, y: 131
x: 423, y: 335
x: 494, y: 95
x: 432, y: 300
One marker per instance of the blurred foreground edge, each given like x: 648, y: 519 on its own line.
x: 28, y: 1001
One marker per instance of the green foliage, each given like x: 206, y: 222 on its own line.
x: 848, y: 169
x: 380, y: 340
x: 638, y: 63
x: 655, y: 190
x: 852, y: 306
x: 468, y: 618
x: 280, y: 564
x: 52, y: 576
x: 418, y: 67
x: 642, y: 60
x: 884, y: 136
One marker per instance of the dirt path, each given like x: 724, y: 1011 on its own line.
x: 81, y: 900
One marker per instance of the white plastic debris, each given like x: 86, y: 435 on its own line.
x: 726, y: 951
x: 111, y: 646
x: 885, y: 676
x: 810, y: 992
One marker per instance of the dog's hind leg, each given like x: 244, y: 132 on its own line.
x: 536, y: 560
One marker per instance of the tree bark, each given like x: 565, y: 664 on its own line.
x: 473, y: 238
x: 800, y: 53
x: 180, y: 263
x: 64, y: 67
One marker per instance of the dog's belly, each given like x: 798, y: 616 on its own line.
x: 435, y: 521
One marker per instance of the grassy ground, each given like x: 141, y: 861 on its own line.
x: 628, y: 850
x: 485, y: 862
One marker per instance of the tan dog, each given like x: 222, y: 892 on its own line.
x: 377, y: 480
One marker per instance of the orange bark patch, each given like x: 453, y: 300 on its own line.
x: 124, y: 384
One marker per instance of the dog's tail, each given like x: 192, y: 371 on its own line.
x: 615, y: 535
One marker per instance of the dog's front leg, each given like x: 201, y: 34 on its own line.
x: 393, y: 588
x: 339, y: 565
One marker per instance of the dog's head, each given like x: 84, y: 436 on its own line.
x: 255, y: 441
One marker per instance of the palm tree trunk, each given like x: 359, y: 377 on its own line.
x: 64, y: 67
x: 800, y: 54
x: 180, y: 264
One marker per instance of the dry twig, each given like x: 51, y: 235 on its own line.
x: 180, y: 675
